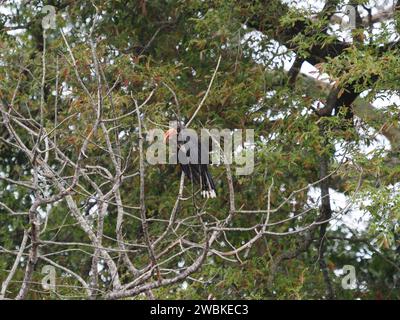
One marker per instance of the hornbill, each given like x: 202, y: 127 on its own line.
x: 189, y: 156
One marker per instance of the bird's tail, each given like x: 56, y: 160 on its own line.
x: 207, y: 184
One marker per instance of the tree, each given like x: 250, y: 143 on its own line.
x: 77, y: 104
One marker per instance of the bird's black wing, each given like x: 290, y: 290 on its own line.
x: 195, y: 170
x: 207, y: 182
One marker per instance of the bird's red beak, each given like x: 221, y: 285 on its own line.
x: 169, y: 133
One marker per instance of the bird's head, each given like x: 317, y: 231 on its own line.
x: 170, y: 133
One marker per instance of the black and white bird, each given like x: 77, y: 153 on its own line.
x: 189, y: 156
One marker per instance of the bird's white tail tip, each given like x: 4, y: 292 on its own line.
x: 209, y: 194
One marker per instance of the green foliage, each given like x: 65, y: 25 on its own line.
x: 143, y: 44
